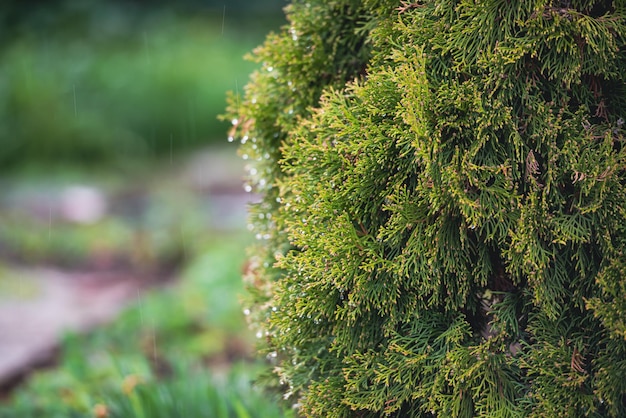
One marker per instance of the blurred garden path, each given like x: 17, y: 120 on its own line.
x: 40, y: 301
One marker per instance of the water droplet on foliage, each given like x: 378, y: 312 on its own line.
x: 247, y: 188
x: 234, y: 121
x: 270, y: 68
x: 250, y: 227
x: 259, y: 334
x: 244, y: 139
x: 231, y: 138
x: 245, y: 156
x: 252, y: 171
x: 246, y: 312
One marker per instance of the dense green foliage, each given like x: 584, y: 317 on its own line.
x: 443, y: 221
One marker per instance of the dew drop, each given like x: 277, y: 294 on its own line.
x: 270, y: 68
x: 246, y: 312
x: 231, y: 138
x: 259, y: 334
x: 245, y: 156
x: 234, y: 121
x: 294, y: 35
x: 244, y: 139
x: 247, y: 188
x: 252, y: 171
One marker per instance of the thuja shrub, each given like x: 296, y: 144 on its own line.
x: 442, y: 220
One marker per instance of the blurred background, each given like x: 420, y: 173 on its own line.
x: 122, y: 212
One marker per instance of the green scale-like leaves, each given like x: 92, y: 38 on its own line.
x: 442, y: 227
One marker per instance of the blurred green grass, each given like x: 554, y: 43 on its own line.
x: 142, y: 229
x: 178, y: 352
x: 89, y: 82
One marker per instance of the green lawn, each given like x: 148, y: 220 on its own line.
x: 93, y: 82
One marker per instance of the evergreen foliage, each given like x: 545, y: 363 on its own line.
x: 443, y: 217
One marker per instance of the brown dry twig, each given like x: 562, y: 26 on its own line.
x: 406, y: 6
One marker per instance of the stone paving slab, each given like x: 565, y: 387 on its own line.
x: 53, y: 302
